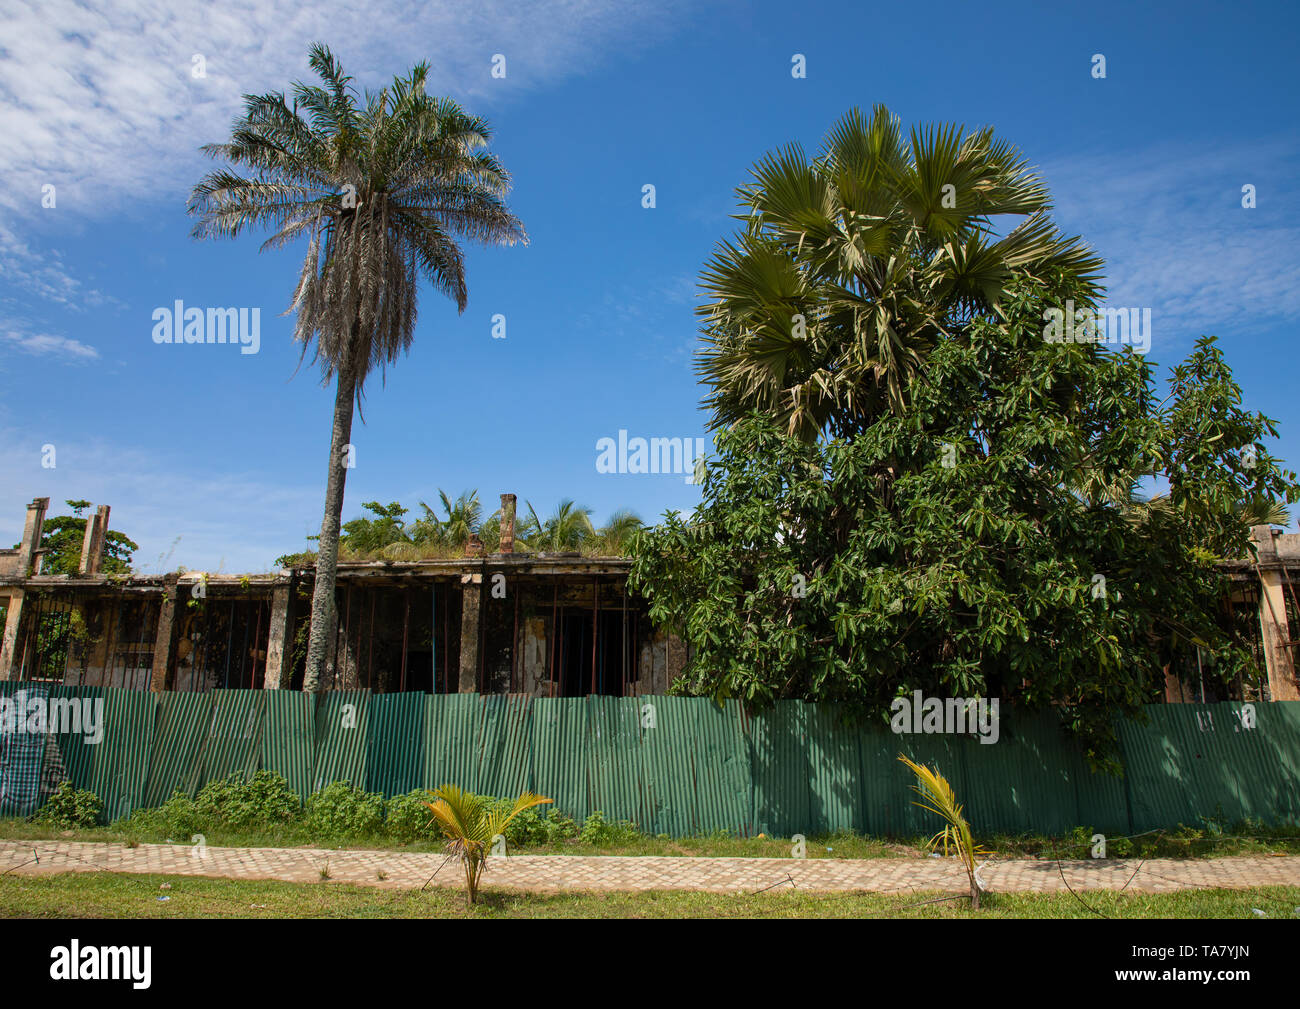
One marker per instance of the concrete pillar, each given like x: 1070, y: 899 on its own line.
x: 9, y: 659
x: 279, y: 639
x: 165, y: 636
x: 27, y: 550
x: 1273, y: 622
x: 92, y: 546
x: 472, y: 594
x: 507, y: 523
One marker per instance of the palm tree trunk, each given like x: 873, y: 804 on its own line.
x: 327, y: 555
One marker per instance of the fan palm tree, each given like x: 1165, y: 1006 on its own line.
x: 853, y: 265
x: 380, y: 186
x: 1260, y: 511
x: 471, y: 826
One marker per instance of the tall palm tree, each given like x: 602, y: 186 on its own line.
x: 851, y: 266
x: 380, y: 186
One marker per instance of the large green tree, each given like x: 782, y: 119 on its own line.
x: 63, y: 536
x: 967, y: 545
x: 380, y: 187
x: 853, y: 265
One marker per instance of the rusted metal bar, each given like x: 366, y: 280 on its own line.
x: 595, y: 627
x: 244, y: 651
x: 257, y: 639
x: 230, y: 643
x: 555, y: 631
x: 514, y: 641
x: 370, y: 664
x: 406, y: 627
x: 361, y: 619
x: 106, y: 674
x: 206, y: 640
x: 433, y: 637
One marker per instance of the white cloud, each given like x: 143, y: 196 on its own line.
x: 44, y: 275
x: 99, y: 99
x: 1170, y: 226
x: 50, y: 345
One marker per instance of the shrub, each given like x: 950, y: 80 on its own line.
x: 69, y: 807
x: 338, y: 810
x: 178, y: 817
x: 599, y: 831
x: 407, y: 818
x: 264, y: 800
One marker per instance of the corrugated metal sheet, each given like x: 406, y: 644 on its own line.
x: 342, y: 720
x: 722, y: 769
x: 72, y: 757
x: 667, y: 764
x: 503, y: 746
x: 835, y: 796
x: 289, y: 738
x: 559, y: 729
x: 614, y: 757
x: 122, y: 763
x: 235, y: 740
x: 782, y: 800
x: 451, y: 727
x: 672, y: 765
x: 395, y: 757
x: 1195, y: 760
x: 184, y: 720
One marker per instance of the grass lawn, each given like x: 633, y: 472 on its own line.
x: 112, y: 895
x: 1160, y: 844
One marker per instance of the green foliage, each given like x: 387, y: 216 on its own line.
x: 63, y: 536
x: 69, y: 807
x: 566, y: 530
x: 365, y: 535
x: 534, y: 827
x: 341, y: 811
x: 598, y: 831
x: 264, y: 800
x: 385, y: 532
x: 176, y: 818
x: 971, y: 545
x: 407, y: 818
x: 854, y: 265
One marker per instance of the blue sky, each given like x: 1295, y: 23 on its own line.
x: 215, y: 460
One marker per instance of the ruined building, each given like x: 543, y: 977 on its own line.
x: 543, y: 625
x: 546, y: 625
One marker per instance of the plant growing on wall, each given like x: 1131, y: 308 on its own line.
x: 472, y: 826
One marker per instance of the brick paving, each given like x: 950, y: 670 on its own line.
x: 617, y: 872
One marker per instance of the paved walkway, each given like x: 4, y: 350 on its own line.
x: 579, y: 872
x: 615, y: 873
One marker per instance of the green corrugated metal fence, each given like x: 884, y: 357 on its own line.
x: 672, y: 765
